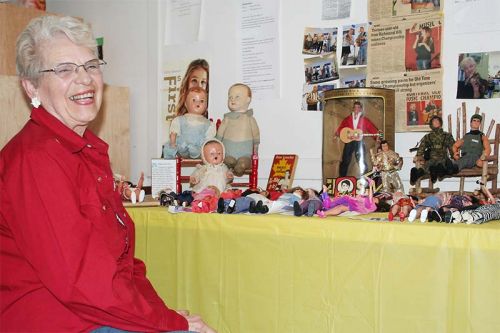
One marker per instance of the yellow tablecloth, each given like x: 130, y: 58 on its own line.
x: 275, y: 273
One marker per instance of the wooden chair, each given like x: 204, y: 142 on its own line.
x: 489, y: 171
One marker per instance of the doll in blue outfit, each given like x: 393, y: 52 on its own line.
x: 190, y: 129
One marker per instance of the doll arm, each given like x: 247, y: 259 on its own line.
x: 456, y: 148
x: 255, y: 135
x: 211, y: 131
x: 197, y: 175
x: 222, y: 129
x: 486, y: 147
x: 229, y: 175
x: 175, y: 129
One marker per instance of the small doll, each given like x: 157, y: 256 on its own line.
x: 239, y: 131
x: 205, y: 201
x: 429, y: 204
x: 213, y: 172
x: 402, y: 205
x: 310, y: 204
x: 190, y: 129
x: 128, y: 191
x: 388, y: 163
x: 362, y: 204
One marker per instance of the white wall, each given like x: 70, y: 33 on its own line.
x: 133, y: 30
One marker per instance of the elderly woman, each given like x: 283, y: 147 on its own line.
x: 473, y: 85
x: 66, y: 242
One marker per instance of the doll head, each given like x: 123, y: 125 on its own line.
x: 196, y: 101
x: 239, y: 97
x: 213, y: 152
x: 196, y: 76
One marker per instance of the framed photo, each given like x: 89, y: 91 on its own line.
x: 355, y: 120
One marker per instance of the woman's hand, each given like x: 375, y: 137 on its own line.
x: 196, y: 324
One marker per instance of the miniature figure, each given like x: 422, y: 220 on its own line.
x: 213, y: 172
x: 190, y: 128
x: 128, y: 191
x: 239, y: 131
x: 402, y: 205
x: 432, y: 154
x: 310, y: 204
x: 474, y: 147
x: 388, y: 163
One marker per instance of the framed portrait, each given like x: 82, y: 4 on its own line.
x: 355, y: 120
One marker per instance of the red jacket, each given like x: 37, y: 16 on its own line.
x: 364, y: 124
x: 66, y: 242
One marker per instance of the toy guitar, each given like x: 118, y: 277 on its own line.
x: 348, y: 134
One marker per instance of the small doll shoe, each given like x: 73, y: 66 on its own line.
x: 423, y: 215
x: 412, y: 216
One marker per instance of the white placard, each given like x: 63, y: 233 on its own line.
x: 163, y: 175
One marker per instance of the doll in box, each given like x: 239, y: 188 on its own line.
x: 213, y: 171
x: 239, y: 131
x: 190, y: 128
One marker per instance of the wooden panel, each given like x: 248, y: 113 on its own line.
x: 112, y: 123
x: 13, y: 20
x: 113, y: 126
x: 14, y: 108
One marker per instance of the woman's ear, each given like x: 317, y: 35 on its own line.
x: 29, y: 88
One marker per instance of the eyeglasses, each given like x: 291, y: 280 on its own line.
x: 66, y: 69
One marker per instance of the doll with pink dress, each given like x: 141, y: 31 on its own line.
x: 362, y: 204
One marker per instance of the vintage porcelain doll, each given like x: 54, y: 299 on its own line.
x: 388, y: 163
x: 239, y: 131
x: 213, y: 172
x: 128, y: 191
x: 189, y: 130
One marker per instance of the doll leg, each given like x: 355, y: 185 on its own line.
x: 393, y: 212
x: 242, y: 164
x: 405, y: 211
x: 415, y: 214
x: 337, y: 210
x: 423, y: 214
x: 230, y: 161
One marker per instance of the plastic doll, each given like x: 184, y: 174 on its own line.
x: 431, y: 203
x: 362, y: 204
x: 474, y: 146
x: 388, y: 163
x: 213, y: 172
x: 402, y: 205
x: 239, y: 131
x: 189, y: 130
x: 310, y: 204
x: 205, y: 201
x: 128, y: 191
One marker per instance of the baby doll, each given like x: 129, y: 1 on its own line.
x: 362, y: 204
x: 239, y: 131
x: 190, y: 129
x: 128, y: 191
x: 431, y: 203
x: 213, y: 172
x: 402, y: 205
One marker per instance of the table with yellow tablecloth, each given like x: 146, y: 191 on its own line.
x: 278, y: 273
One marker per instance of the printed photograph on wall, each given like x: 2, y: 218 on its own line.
x: 320, y: 69
x: 318, y: 41
x: 177, y: 79
x: 419, y: 113
x: 423, y: 46
x: 478, y: 75
x: 313, y: 96
x: 421, y: 6
x: 355, y: 120
x: 354, y: 45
